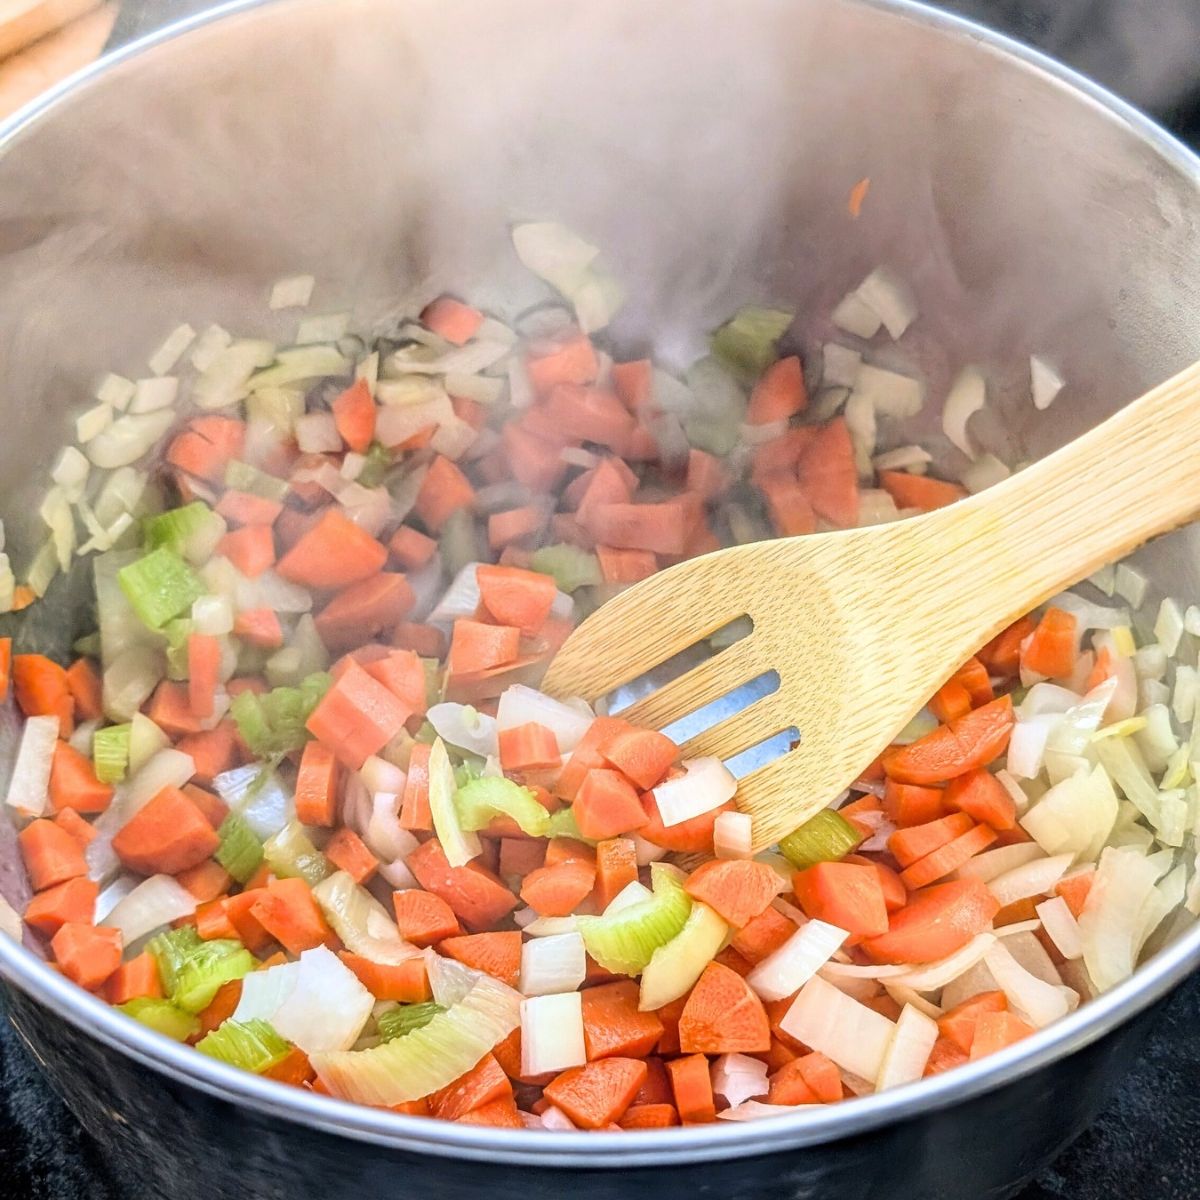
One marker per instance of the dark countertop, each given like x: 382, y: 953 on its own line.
x: 1142, y: 1146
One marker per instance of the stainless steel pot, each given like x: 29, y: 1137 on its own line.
x: 383, y: 145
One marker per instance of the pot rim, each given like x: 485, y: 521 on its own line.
x: 636, y: 1148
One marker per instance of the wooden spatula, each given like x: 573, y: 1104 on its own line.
x: 864, y: 625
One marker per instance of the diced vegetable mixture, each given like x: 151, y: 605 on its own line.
x: 298, y: 800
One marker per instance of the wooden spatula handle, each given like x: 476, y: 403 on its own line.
x: 1014, y: 546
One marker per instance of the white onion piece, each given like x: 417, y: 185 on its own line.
x: 520, y: 705
x: 92, y: 423
x: 128, y: 438
x: 706, y: 784
x: 905, y: 996
x: 383, y: 836
x: 855, y: 316
x: 787, y: 969
x: 330, y: 327
x: 269, y: 590
x: 551, y: 926
x: 553, y: 964
x: 379, y: 775
x: 155, y: 902
x: 398, y: 874
x: 1039, y: 1002
x: 461, y: 599
x: 991, y: 863
x: 555, y: 1118
x: 968, y: 394
x: 426, y: 587
x: 316, y: 433
x: 985, y: 472
x: 835, y: 971
x: 826, y: 1019
x: 928, y: 977
x: 552, y: 1033
x: 909, y: 1051
x: 632, y: 893
x: 266, y: 807
x: 1075, y: 816
x: 1045, y: 382
x: 647, y: 852
x: 1016, y: 928
x: 902, y: 458
x: 738, y: 1077
x: 326, y: 1008
x: 112, y: 895
x: 733, y: 835
x: 224, y: 380
x: 553, y: 253
x: 860, y: 423
x: 116, y: 391
x: 890, y: 393
x: 1088, y: 615
x: 1027, y: 747
x: 1036, y: 878
x: 154, y: 394
x: 1131, y: 585
x: 28, y: 788
x: 839, y: 365
x: 465, y: 727
x: 294, y: 291
x: 755, y: 1110
x: 891, y: 300
x: 264, y: 991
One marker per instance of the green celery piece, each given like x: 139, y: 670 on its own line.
x: 426, y: 735
x: 570, y: 567
x: 716, y: 436
x: 482, y: 799
x: 746, y: 345
x: 375, y: 469
x: 626, y: 941
x: 240, y: 851
x: 274, y: 724
x: 206, y: 968
x: 110, y: 753
x: 251, y: 1045
x: 170, y: 951
x: 242, y: 477
x: 562, y: 824
x: 471, y: 767
x: 396, y: 1022
x: 178, y: 632
x: 159, y: 586
x: 87, y: 646
x: 163, y: 1017
x: 826, y: 837
x: 434, y: 681
x: 174, y: 528
x: 291, y: 855
x: 458, y: 542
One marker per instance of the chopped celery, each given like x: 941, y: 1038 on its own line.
x: 570, y: 567
x: 87, y: 646
x: 482, y: 799
x: 824, y: 838
x: 378, y: 462
x: 304, y: 655
x: 110, y: 753
x: 563, y: 824
x: 206, y: 968
x: 459, y: 845
x: 470, y: 768
x: 426, y: 735
x: 290, y: 854
x: 625, y: 941
x: 278, y: 407
x: 191, y: 531
x: 242, y: 477
x: 240, y: 852
x: 713, y: 434
x: 397, y: 1022
x: 251, y: 1045
x: 159, y: 587
x: 459, y: 541
x: 145, y: 741
x: 434, y: 681
x: 747, y: 343
x: 674, y: 968
x: 163, y: 1017
x: 169, y: 950
x: 273, y: 724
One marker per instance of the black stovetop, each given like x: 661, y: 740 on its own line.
x: 1143, y: 1145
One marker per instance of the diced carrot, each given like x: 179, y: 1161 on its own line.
x: 1075, y: 888
x: 73, y: 782
x: 737, y: 890
x: 533, y: 461
x: 867, y: 803
x: 349, y: 853
x: 333, y: 554
x: 516, y: 597
x: 479, y: 899
x: 401, y: 672
x: 357, y: 717
x: 515, y: 525
x: 588, y: 754
x: 763, y: 935
x: 528, y: 747
x: 444, y: 491
x: 294, y: 1068
x: 625, y: 566
x: 634, y: 383
x: 414, y: 808
x: 87, y: 954
x: 354, y: 416
x: 730, y: 958
x: 1002, y: 655
x: 425, y: 640
x: 1054, y: 645
x: 170, y: 710
x: 1024, y: 909
x: 723, y: 1016
x: 607, y: 805
x: 778, y: 394
x: 822, y: 1077
x: 649, y: 1116
x: 692, y: 1089
x: 845, y: 895
x: 212, y: 920
x: 694, y: 835
x: 168, y: 835
x: 908, y: 804
x: 935, y: 923
x: 238, y: 910
x: 204, y: 673
x: 827, y: 474
x: 572, y: 360
x: 134, y: 980
x: 83, y: 682
x: 423, y: 918
x: 598, y: 1093
x: 981, y: 795
x: 790, y: 513
x: 973, y: 676
x: 616, y: 868
x: 410, y: 548
x: 996, y: 1030
x: 500, y: 1114
x: 42, y: 690
x: 895, y: 894
x: 557, y: 890
x: 657, y: 1088
x: 913, y: 843
x: 884, y: 1005
x: 222, y: 1006
x: 950, y: 701
x: 613, y: 1023
x: 958, y: 1023
x: 496, y: 954
x: 458, y: 323
x: 789, y: 1086
x: 198, y: 456
x: 919, y: 491
x: 584, y: 413
x: 251, y: 549
x: 660, y: 528
x: 206, y: 881
x: 475, y: 646
x: 71, y: 902
x: 317, y: 786
x: 520, y: 855
x: 288, y: 911
x: 6, y: 667
x: 947, y: 858
x: 51, y: 854
x: 261, y: 877
x: 781, y: 455
x: 406, y: 982
x: 69, y: 821
x: 642, y: 755
x: 484, y: 1083
x: 669, y: 1015
x: 951, y: 750
x: 214, y: 751
x: 245, y: 508
x: 944, y: 1056
x: 364, y: 609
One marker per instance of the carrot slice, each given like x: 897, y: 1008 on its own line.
x: 692, y: 1089
x: 895, y: 894
x: 206, y: 881
x: 42, y: 690
x: 168, y: 835
x: 530, y: 747
x: 914, y: 843
x: 349, y: 853
x: 649, y: 1116
x: 515, y: 525
x: 288, y: 911
x: 533, y: 461
x: 73, y: 782
x: 406, y: 982
x: 948, y: 858
x: 83, y: 682
x: 763, y: 935
x: 354, y: 416
x: 625, y: 566
x: 996, y: 1030
x: 908, y: 804
x: 973, y: 676
x: 245, y: 508
x: 364, y: 609
x: 607, y: 805
x: 214, y: 751
x: 1002, y: 655
x: 827, y: 473
x: 572, y: 360
x: 557, y: 890
x: 317, y: 786
x: 444, y: 491
x: 458, y: 323
x: 613, y: 1023
x: 642, y: 755
x: 357, y: 717
x: 479, y: 899
x: 723, y: 1016
x: 423, y: 918
x: 778, y: 394
x: 414, y: 809
x: 6, y: 667
x: 80, y: 829
x: 251, y: 549
x: 788, y: 1085
x: 738, y: 891
x: 1075, y: 888
x: 935, y: 923
x: 843, y: 894
x: 944, y: 1056
x: 981, y: 795
x: 1053, y: 646
x: 598, y: 1093
x: 919, y: 491
x: 500, y: 1114
x: 694, y: 834
x: 134, y: 980
x: 72, y: 901
x: 87, y: 954
x: 475, y: 646
x: 958, y: 1023
x: 495, y: 954
x: 484, y: 1083
x: 950, y: 701
x: 333, y: 554
x: 204, y: 673
x: 51, y: 854
x: 951, y: 750
x: 822, y: 1077
x: 410, y: 548
x: 616, y: 868
x: 513, y: 596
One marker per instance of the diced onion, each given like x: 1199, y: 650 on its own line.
x: 326, y: 1007
x: 568, y: 721
x: 985, y: 472
x: 554, y: 964
x: 28, y: 789
x: 155, y: 902
x: 787, y: 969
x: 92, y: 423
x: 733, y: 835
x: 1045, y: 382
x: 329, y: 327
x: 854, y: 1036
x: 1038, y: 1001
x: 552, y: 1033
x: 855, y: 316
x: 754, y: 1110
x: 128, y: 438
x: 839, y: 365
x: 115, y: 391
x: 466, y: 728
x: 968, y: 394
x: 738, y: 1077
x: 890, y: 299
x: 1168, y: 628
x: 361, y: 921
x: 890, y: 393
x: 1036, y: 878
x: 902, y: 458
x: 909, y: 1050
x: 1131, y: 585
x: 706, y: 784
x: 992, y: 863
x: 293, y: 291
x: 1061, y: 926
x: 153, y: 394
x: 931, y: 976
